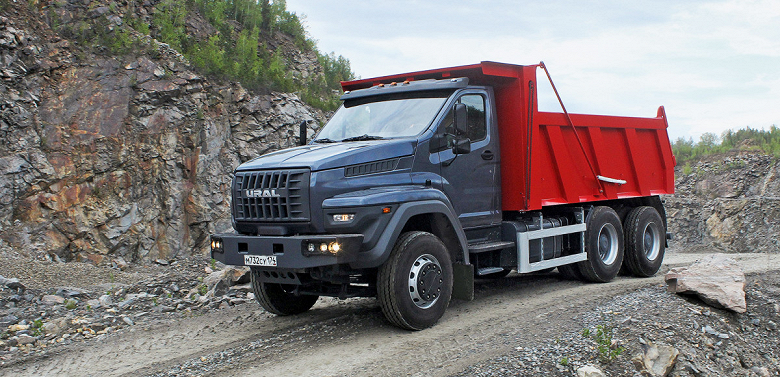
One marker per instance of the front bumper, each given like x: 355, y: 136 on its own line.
x: 290, y: 252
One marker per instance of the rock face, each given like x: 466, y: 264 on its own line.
x: 728, y: 202
x: 120, y: 158
x: 716, y: 279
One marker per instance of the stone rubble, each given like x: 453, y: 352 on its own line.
x: 679, y: 337
x: 40, y: 319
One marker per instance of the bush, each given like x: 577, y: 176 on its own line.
x: 237, y: 53
x: 767, y: 141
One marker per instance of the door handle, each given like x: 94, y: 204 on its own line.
x: 487, y: 155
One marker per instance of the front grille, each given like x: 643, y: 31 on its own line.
x: 271, y: 196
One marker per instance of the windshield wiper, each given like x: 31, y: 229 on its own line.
x: 324, y: 140
x: 362, y: 138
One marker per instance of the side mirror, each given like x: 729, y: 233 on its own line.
x: 461, y: 144
x: 461, y: 119
x: 302, y: 133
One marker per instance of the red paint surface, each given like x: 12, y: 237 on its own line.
x: 551, y: 168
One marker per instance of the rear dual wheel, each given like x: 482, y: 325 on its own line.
x: 604, y: 246
x: 645, y: 241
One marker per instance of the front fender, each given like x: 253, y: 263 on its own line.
x: 377, y: 255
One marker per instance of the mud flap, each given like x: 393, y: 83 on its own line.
x: 463, y: 284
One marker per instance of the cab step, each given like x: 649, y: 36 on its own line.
x: 489, y: 270
x: 489, y: 246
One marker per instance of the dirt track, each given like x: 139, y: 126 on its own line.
x: 352, y: 337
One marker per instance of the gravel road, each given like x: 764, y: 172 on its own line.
x: 351, y: 337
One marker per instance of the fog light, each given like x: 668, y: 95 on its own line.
x: 344, y: 217
x: 216, y: 245
x: 334, y: 247
x: 324, y: 247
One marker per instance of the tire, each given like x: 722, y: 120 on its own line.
x: 279, y: 299
x: 604, y: 246
x: 418, y: 259
x: 645, y: 243
x: 570, y: 272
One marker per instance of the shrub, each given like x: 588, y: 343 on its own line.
x: 767, y: 141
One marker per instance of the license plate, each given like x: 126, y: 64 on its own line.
x: 260, y: 260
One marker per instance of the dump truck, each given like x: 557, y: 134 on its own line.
x: 422, y: 182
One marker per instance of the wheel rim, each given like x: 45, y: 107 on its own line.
x: 608, y: 243
x: 425, y: 281
x: 651, y: 241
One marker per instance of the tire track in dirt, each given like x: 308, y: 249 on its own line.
x: 351, y: 337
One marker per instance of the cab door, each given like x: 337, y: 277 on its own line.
x: 471, y: 180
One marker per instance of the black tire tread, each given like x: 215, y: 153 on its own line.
x: 586, y: 267
x: 386, y: 280
x: 632, y: 260
x: 283, y: 306
x: 570, y: 272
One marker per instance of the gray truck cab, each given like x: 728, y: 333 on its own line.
x: 416, y: 158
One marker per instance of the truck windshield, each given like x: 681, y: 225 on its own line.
x: 384, y: 118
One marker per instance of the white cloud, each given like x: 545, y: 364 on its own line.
x: 714, y: 65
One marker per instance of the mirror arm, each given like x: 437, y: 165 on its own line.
x: 302, y: 133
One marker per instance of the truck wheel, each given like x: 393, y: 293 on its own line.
x: 645, y: 245
x: 570, y: 272
x: 279, y: 299
x: 604, y: 245
x: 415, y: 283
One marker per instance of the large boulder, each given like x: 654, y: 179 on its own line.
x: 716, y: 279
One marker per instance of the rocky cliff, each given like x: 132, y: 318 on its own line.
x: 120, y: 158
x: 729, y: 203
x: 117, y: 158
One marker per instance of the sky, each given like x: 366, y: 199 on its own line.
x: 713, y: 65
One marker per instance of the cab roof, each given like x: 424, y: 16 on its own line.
x: 484, y: 73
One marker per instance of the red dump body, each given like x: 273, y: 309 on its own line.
x: 544, y: 160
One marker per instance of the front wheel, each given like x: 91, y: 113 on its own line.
x: 415, y: 283
x: 604, y: 246
x: 279, y: 299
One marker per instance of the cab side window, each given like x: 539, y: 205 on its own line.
x: 475, y: 108
x: 476, y: 129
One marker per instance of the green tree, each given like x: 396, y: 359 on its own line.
x: 169, y: 18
